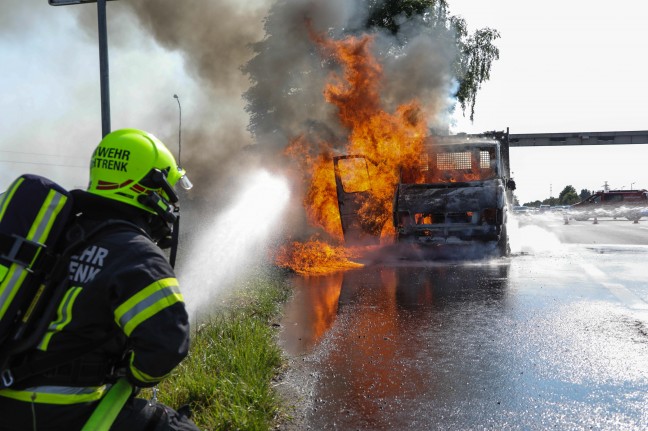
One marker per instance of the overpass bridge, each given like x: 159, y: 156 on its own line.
x: 577, y: 138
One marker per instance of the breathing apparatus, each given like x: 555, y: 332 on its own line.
x: 136, y: 168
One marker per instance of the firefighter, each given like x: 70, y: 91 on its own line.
x: 123, y: 314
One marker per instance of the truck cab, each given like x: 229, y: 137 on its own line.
x: 460, y: 193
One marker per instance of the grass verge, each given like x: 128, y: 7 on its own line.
x: 227, y: 377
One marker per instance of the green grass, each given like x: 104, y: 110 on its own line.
x: 227, y: 377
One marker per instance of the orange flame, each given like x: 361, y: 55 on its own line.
x: 320, y: 201
x: 389, y: 142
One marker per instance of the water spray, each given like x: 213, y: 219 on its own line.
x: 235, y: 240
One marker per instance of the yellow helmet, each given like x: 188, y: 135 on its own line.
x: 135, y: 167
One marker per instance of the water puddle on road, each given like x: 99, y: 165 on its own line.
x: 380, y: 294
x: 365, y: 340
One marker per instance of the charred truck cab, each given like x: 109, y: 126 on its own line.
x: 460, y: 193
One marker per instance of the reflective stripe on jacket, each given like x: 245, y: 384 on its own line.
x: 122, y: 290
x: 61, y: 395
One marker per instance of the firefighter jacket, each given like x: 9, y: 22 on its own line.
x: 123, y: 309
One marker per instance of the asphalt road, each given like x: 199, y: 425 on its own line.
x: 553, y: 337
x: 601, y: 231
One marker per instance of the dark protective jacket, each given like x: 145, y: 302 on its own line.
x: 123, y: 308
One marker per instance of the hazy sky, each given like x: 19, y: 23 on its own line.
x: 50, y: 93
x: 565, y: 66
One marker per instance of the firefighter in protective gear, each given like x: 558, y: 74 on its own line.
x: 123, y: 313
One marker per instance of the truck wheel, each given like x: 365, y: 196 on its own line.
x: 503, y: 246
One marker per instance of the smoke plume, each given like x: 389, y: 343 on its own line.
x: 264, y: 51
x: 260, y: 78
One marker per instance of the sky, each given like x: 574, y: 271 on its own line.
x: 565, y: 66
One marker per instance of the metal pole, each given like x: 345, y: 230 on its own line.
x: 175, y: 96
x: 103, y: 67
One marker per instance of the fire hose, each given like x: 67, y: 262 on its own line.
x: 109, y: 407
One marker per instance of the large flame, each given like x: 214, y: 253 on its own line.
x: 388, y: 141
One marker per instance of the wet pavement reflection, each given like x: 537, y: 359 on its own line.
x: 392, y: 321
x: 452, y: 346
x: 312, y: 311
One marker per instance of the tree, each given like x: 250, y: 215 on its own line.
x: 386, y: 14
x: 552, y: 201
x: 568, y: 196
x: 584, y: 194
x: 534, y: 204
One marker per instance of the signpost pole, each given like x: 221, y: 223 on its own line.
x: 103, y: 67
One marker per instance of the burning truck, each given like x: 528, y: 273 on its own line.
x: 459, y: 193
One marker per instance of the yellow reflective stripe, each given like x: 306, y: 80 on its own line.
x: 8, y: 289
x: 142, y: 376
x: 10, y: 286
x: 56, y: 394
x: 8, y: 195
x: 64, y: 316
x: 46, y: 216
x: 39, y: 231
x: 147, y: 302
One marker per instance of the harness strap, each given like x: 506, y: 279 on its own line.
x: 17, y: 249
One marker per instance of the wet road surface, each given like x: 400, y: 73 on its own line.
x: 554, y: 337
